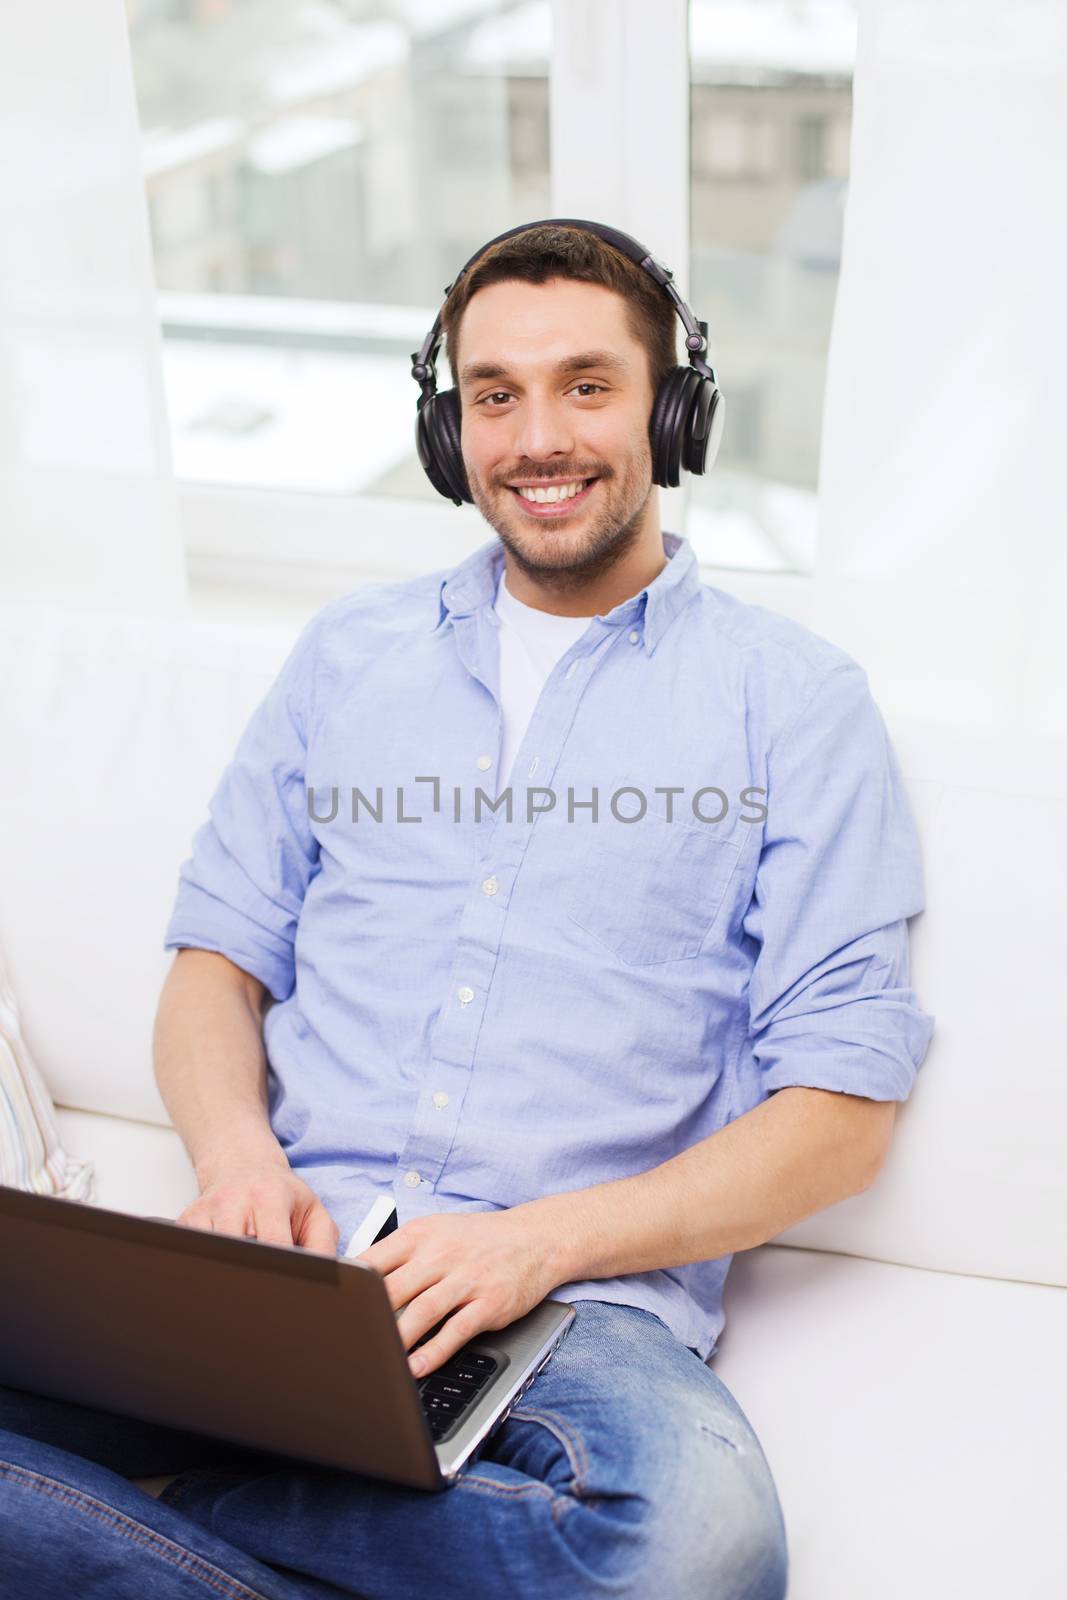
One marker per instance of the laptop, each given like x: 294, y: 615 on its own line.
x: 272, y: 1347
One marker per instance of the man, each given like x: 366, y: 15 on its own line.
x: 561, y: 899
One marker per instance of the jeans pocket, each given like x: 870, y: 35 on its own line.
x: 652, y: 890
x: 546, y: 1447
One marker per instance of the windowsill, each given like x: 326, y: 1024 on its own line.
x: 264, y: 553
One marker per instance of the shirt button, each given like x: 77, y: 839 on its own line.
x: 465, y: 994
x: 634, y: 638
x: 534, y: 764
x: 440, y: 1099
x: 483, y: 763
x: 571, y: 670
x: 490, y: 886
x: 412, y: 1180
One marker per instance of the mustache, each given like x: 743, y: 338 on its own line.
x: 557, y: 475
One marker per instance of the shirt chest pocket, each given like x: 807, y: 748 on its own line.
x: 652, y: 890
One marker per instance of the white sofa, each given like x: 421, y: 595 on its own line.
x: 903, y: 1356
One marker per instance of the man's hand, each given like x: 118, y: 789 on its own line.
x: 267, y: 1200
x: 487, y: 1268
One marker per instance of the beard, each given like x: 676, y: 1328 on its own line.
x: 561, y: 556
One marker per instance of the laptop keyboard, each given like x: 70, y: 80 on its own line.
x: 448, y: 1394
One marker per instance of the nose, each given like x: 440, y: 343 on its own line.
x: 544, y: 428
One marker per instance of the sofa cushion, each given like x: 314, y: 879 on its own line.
x: 914, y: 1422
x: 140, y: 1168
x: 32, y: 1155
x: 117, y: 729
x: 975, y: 1179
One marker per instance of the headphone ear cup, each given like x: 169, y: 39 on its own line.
x: 667, y: 424
x: 703, y: 434
x: 447, y: 431
x: 424, y: 445
x: 686, y: 426
x: 655, y: 426
x: 437, y: 440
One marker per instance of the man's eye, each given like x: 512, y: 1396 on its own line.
x: 496, y: 395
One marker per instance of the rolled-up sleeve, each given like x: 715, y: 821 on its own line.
x: 241, y: 891
x: 830, y: 1001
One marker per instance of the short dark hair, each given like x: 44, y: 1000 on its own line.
x: 545, y: 251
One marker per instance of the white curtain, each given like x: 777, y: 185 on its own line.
x: 942, y: 551
x: 88, y: 509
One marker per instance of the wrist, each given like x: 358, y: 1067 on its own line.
x: 558, y: 1221
x: 239, y: 1151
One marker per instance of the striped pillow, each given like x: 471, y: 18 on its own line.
x: 31, y: 1156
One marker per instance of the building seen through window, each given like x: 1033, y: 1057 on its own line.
x: 770, y: 120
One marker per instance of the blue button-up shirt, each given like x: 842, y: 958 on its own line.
x: 692, y: 893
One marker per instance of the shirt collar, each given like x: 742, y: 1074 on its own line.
x: 473, y: 584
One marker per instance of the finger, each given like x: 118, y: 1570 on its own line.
x: 316, y: 1230
x: 196, y: 1217
x: 424, y: 1315
x: 389, y: 1253
x: 271, y: 1220
x: 409, y: 1280
x: 464, y: 1325
x: 231, y: 1215
x: 420, y: 1316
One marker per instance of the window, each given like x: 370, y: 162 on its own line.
x: 315, y: 172
x: 770, y: 109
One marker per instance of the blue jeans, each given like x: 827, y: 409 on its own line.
x: 628, y: 1469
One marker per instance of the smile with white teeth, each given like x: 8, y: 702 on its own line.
x: 557, y: 491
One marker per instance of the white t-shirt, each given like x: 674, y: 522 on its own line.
x: 531, y: 642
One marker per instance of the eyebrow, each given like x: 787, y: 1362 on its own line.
x: 605, y: 360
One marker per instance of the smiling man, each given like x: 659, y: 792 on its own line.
x: 631, y: 995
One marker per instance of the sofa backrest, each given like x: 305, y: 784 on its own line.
x: 976, y: 1177
x: 114, y: 732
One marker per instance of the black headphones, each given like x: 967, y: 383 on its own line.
x: 685, y: 426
